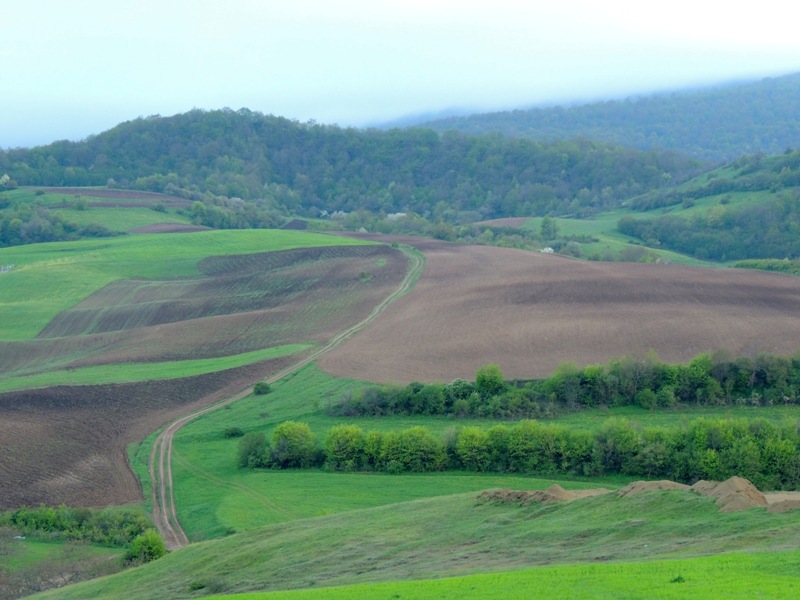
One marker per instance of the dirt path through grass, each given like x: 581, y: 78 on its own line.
x: 165, y: 512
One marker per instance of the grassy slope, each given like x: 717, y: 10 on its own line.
x: 452, y: 536
x: 50, y: 278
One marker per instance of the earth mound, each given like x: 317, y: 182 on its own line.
x: 732, y: 494
x: 555, y: 493
x: 641, y: 487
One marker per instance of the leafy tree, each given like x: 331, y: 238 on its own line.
x: 344, y: 447
x: 146, y: 547
x: 293, y: 445
x: 489, y: 380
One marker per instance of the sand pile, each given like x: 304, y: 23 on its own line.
x: 732, y: 494
x: 641, y: 487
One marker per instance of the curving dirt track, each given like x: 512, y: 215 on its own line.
x: 529, y: 312
x: 165, y: 514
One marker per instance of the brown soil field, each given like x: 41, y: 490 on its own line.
x: 528, y: 312
x: 67, y: 444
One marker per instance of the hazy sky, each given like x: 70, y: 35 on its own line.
x: 73, y: 68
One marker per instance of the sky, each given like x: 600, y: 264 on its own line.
x: 77, y: 68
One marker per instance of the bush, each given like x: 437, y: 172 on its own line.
x: 146, y: 547
x: 252, y: 450
x: 261, y: 388
x: 233, y: 432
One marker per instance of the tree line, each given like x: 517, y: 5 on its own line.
x: 759, y: 450
x: 709, y: 379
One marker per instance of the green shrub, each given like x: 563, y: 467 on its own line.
x: 146, y: 547
x: 261, y: 388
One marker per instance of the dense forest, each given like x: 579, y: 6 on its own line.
x: 718, y: 124
x: 310, y: 168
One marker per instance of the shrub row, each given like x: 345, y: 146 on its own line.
x: 709, y: 379
x: 110, y: 527
x: 758, y: 450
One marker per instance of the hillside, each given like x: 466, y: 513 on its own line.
x: 529, y: 312
x: 719, y: 123
x: 307, y: 168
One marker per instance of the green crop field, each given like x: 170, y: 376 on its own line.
x: 49, y: 278
x: 130, y: 372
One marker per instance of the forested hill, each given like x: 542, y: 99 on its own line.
x: 308, y: 167
x: 719, y: 123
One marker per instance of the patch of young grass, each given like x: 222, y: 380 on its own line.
x: 133, y: 372
x: 49, y: 278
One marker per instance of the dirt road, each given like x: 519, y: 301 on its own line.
x: 165, y: 514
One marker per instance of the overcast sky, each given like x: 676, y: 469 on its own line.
x: 74, y: 68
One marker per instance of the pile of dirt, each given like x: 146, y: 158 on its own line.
x: 641, y: 487
x: 555, y: 493
x: 732, y: 494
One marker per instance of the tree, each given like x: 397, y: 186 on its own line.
x: 293, y: 446
x: 344, y: 447
x: 548, y: 229
x: 489, y: 381
x: 146, y: 547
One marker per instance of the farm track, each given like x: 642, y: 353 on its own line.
x: 165, y: 514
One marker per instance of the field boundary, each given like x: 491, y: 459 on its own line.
x: 165, y: 513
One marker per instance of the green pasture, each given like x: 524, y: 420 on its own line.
x: 457, y: 535
x: 49, y: 278
x: 133, y: 372
x: 122, y: 218
x: 761, y: 575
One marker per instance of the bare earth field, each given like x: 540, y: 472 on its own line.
x: 67, y: 444
x: 529, y: 312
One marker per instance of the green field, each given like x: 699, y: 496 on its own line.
x: 456, y: 535
x: 761, y: 575
x: 49, y: 278
x: 132, y: 372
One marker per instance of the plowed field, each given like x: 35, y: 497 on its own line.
x: 67, y: 444
x: 529, y: 312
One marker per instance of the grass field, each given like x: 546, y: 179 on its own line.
x: 132, y: 372
x: 49, y: 278
x: 454, y: 536
x: 760, y: 575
